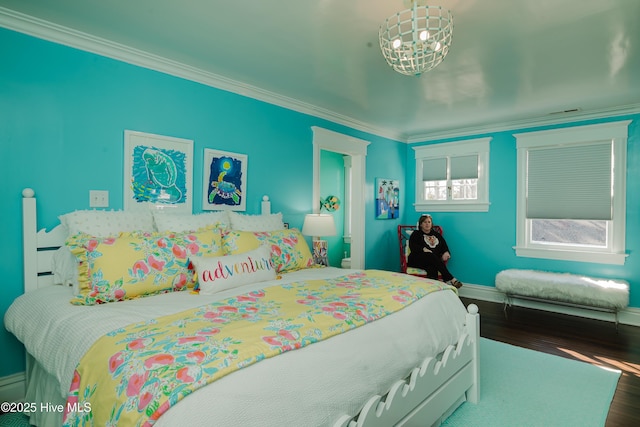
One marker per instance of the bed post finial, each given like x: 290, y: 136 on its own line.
x: 472, y: 309
x: 473, y: 329
x: 29, y: 239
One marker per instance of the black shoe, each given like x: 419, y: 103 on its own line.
x: 455, y: 282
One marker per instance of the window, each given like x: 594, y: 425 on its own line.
x: 572, y: 193
x: 453, y: 176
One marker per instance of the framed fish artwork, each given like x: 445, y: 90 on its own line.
x: 225, y: 180
x: 158, y: 172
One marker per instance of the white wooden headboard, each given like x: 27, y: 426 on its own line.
x: 40, y: 245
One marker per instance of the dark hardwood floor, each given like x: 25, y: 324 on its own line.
x: 588, y: 340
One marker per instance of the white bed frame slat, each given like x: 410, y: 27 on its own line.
x: 431, y: 392
x: 38, y: 246
x: 44, y: 281
x: 45, y: 261
x: 51, y: 239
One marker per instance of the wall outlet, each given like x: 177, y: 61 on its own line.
x: 98, y: 199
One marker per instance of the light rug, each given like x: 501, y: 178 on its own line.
x: 526, y: 388
x: 13, y: 419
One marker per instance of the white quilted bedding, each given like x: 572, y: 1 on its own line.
x: 312, y: 386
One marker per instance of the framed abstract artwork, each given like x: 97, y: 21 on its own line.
x: 158, y: 172
x: 225, y: 180
x: 320, y: 252
x: 387, y: 198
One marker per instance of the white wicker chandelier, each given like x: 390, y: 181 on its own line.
x: 417, y: 39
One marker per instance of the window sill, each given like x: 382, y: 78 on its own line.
x: 452, y: 206
x: 565, y: 255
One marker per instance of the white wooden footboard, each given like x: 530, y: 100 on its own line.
x: 431, y: 390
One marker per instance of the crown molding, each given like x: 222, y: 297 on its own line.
x: 49, y: 31
x: 547, y: 120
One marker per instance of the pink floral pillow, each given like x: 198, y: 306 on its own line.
x: 137, y: 264
x: 289, y: 249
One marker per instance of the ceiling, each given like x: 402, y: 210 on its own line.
x: 511, y: 61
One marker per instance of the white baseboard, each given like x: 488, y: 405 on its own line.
x: 627, y: 316
x: 13, y: 387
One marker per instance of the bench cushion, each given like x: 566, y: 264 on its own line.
x: 565, y: 287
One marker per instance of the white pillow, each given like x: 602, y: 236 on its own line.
x: 216, y: 274
x: 106, y: 223
x: 267, y: 222
x: 64, y: 266
x: 187, y: 222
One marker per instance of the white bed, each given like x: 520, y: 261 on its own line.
x: 369, y: 376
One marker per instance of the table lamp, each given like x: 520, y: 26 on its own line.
x: 319, y: 225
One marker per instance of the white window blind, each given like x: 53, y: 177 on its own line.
x: 464, y: 167
x: 434, y: 169
x: 453, y: 176
x: 570, y: 182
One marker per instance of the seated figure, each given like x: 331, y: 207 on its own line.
x: 430, y: 252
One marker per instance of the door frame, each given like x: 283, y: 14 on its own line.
x: 324, y: 139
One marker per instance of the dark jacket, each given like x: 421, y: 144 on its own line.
x: 419, y: 240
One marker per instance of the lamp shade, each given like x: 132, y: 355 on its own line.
x: 319, y: 225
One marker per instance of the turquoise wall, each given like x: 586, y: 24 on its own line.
x: 62, y: 117
x: 482, y: 242
x: 382, y: 237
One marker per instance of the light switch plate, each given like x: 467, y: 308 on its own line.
x: 98, y: 199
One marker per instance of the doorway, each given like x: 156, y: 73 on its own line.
x: 356, y: 149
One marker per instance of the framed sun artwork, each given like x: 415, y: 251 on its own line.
x: 225, y: 180
x: 158, y: 172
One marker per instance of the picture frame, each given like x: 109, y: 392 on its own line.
x: 387, y: 198
x: 224, y: 184
x: 158, y: 172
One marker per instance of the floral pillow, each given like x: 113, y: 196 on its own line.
x: 137, y: 264
x: 289, y: 249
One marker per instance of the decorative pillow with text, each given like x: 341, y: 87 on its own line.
x: 216, y: 274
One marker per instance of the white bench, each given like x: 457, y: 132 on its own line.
x: 607, y: 295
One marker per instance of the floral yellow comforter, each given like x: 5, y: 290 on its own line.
x: 133, y: 375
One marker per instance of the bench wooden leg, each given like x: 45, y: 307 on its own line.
x: 508, y: 303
